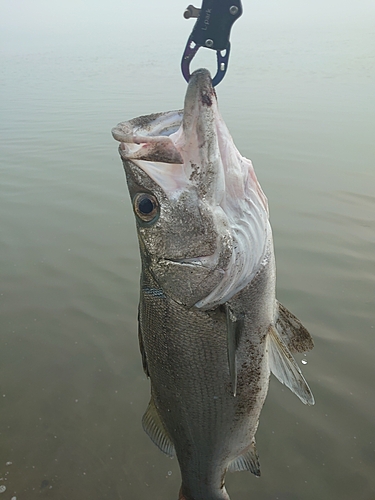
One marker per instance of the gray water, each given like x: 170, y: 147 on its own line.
x: 299, y: 101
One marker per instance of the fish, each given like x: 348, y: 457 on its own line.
x: 210, y: 328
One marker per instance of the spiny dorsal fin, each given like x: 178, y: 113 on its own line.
x: 247, y: 461
x: 234, y: 326
x: 285, y: 369
x: 155, y: 429
x: 292, y: 331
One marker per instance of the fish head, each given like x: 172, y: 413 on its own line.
x: 194, y: 197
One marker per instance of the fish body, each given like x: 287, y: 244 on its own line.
x: 210, y: 328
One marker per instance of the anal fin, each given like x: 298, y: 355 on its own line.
x: 285, y: 369
x: 154, y: 427
x: 247, y: 461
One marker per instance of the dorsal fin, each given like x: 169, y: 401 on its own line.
x: 292, y: 331
x: 285, y: 369
x: 247, y: 461
x: 155, y: 429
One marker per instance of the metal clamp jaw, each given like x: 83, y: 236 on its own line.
x: 211, y: 30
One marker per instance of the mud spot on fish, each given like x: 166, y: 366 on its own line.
x: 207, y: 97
x: 194, y: 172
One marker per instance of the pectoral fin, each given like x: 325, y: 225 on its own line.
x: 234, y: 326
x: 142, y: 349
x: 292, y: 331
x: 156, y: 431
x: 247, y: 461
x: 285, y: 369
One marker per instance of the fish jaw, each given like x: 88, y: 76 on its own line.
x: 198, y: 142
x: 228, y: 181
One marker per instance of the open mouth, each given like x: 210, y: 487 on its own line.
x: 147, y: 137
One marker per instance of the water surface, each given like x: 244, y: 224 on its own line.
x: 299, y: 101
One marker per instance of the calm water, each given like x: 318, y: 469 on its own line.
x: 299, y: 101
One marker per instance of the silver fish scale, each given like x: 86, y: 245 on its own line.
x: 207, y: 424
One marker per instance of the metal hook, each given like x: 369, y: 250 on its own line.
x: 211, y: 30
x: 222, y: 61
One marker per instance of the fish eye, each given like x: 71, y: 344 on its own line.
x: 146, y: 206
